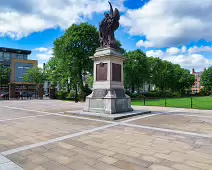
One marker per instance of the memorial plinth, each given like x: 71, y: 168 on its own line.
x: 108, y: 89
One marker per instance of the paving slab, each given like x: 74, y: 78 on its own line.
x: 22, y: 132
x: 202, y: 125
x: 140, y: 150
x: 68, y: 142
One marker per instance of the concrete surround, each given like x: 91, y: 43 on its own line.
x: 108, y: 96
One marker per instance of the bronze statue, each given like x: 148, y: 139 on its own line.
x: 107, y: 28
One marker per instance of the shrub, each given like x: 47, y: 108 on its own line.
x: 204, y: 92
x: 71, y: 95
x: 140, y: 96
x: 87, y: 90
x: 62, y: 95
x: 176, y: 94
x: 133, y: 95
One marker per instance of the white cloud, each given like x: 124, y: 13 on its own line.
x: 189, y: 61
x: 183, y: 57
x: 40, y: 65
x: 43, y: 56
x: 46, y: 54
x: 173, y: 51
x: 20, y: 18
x: 170, y: 23
x: 41, y: 49
x: 196, y: 49
x: 145, y: 44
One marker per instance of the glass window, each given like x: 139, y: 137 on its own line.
x: 1, y: 56
x: 7, y: 56
x: 13, y: 55
x: 25, y: 56
x: 20, y: 56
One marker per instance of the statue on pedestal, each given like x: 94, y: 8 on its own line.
x: 107, y: 28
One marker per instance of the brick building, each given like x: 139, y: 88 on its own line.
x: 197, y: 84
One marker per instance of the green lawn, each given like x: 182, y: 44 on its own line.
x: 197, y: 102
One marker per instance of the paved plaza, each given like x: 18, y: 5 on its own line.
x: 37, y: 135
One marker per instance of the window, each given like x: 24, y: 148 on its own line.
x: 25, y: 56
x: 1, y: 56
x: 20, y: 67
x: 7, y: 56
x: 13, y: 55
x: 20, y: 56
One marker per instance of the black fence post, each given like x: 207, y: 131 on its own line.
x: 144, y: 101
x: 165, y: 102
x: 191, y: 103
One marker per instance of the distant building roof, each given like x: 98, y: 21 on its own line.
x: 12, y: 50
x: 199, y: 73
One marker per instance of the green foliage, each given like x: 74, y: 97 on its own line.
x: 89, y: 81
x: 71, y: 95
x: 87, y: 90
x: 62, y: 95
x: 71, y: 56
x: 204, y: 92
x: 35, y: 75
x: 135, y: 70
x: 206, y: 80
x: 166, y: 75
x: 4, y: 75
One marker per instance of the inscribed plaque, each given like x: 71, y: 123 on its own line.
x: 101, y: 72
x: 116, y: 72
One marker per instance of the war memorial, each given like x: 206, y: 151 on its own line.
x: 108, y: 99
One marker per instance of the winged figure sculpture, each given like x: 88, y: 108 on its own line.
x: 107, y: 28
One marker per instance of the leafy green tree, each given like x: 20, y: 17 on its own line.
x: 135, y: 70
x: 4, y: 75
x: 183, y: 79
x: 35, y: 75
x: 166, y: 75
x: 72, y: 52
x: 206, y: 79
x: 160, y: 72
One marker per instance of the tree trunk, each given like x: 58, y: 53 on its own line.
x: 68, y: 87
x: 133, y: 88
x: 81, y: 84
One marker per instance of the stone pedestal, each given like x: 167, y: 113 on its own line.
x: 12, y: 91
x: 40, y: 91
x: 108, y: 90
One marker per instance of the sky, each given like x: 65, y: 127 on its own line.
x: 179, y: 31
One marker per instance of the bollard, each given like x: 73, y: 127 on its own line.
x: 191, y: 103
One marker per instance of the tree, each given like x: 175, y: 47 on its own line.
x: 166, y: 75
x: 72, y: 52
x: 135, y: 70
x: 4, y: 75
x: 35, y: 75
x: 160, y: 72
x: 206, y: 79
x: 183, y: 79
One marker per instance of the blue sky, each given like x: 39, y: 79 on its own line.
x: 171, y: 30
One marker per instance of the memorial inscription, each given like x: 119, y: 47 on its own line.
x: 101, y: 72
x: 116, y: 72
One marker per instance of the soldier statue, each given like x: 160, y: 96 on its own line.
x: 107, y: 28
